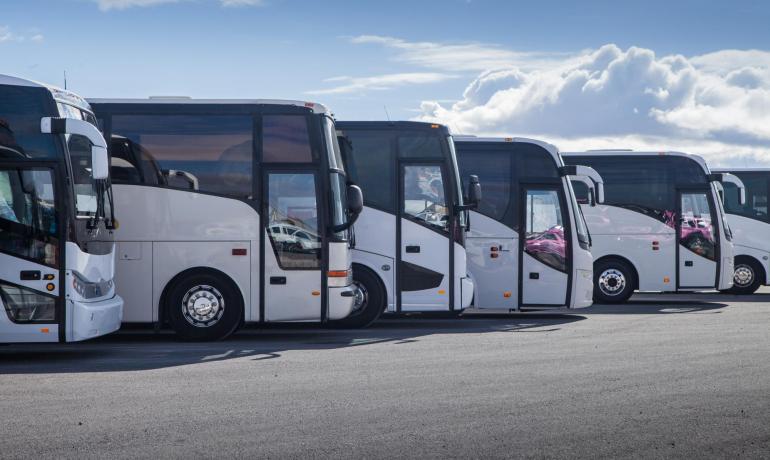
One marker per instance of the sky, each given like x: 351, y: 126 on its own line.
x: 656, y: 75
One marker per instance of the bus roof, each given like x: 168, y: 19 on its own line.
x: 552, y: 149
x: 625, y: 152
x: 383, y: 124
x: 314, y: 106
x: 60, y: 95
x: 741, y: 169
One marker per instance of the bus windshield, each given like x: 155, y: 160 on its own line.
x: 87, y: 198
x: 337, y: 178
x: 581, y: 228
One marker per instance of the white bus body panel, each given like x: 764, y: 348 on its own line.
x: 496, y: 278
x: 11, y: 332
x: 384, y: 267
x: 463, y: 282
x: 547, y: 289
x: 181, y: 236
x: 750, y: 238
x: 376, y: 248
x: 433, y: 255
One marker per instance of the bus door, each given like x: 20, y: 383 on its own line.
x: 544, y: 246
x: 31, y: 256
x: 698, y: 248
x: 294, y: 250
x: 423, y: 237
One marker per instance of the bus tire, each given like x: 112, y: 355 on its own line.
x: 614, y: 281
x: 370, y: 296
x: 748, y: 276
x: 203, y: 305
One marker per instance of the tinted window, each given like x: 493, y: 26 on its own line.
x: 494, y: 171
x: 424, y: 196
x: 212, y: 151
x: 544, y: 229
x: 28, y: 216
x: 285, y: 139
x: 696, y: 231
x: 20, y: 111
x: 370, y: 165
x: 293, y: 220
x: 756, y: 197
x: 645, y: 184
x: 419, y: 144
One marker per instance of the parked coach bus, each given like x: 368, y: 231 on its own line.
x: 751, y: 228
x: 56, y: 218
x: 409, y: 251
x: 528, y: 246
x: 235, y: 211
x: 662, y: 227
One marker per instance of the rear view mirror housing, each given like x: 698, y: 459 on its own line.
x: 474, y: 190
x: 355, y: 199
x: 100, y: 168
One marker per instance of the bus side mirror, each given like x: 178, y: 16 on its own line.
x: 100, y: 163
x: 355, y: 199
x: 474, y: 190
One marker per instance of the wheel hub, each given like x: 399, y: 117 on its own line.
x: 361, y: 297
x: 612, y: 281
x: 203, y: 306
x: 743, y: 275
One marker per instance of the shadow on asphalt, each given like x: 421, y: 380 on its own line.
x: 134, y: 349
x: 652, y: 307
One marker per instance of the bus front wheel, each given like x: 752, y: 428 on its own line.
x: 203, y: 306
x: 747, y: 277
x: 369, y: 301
x: 614, y: 281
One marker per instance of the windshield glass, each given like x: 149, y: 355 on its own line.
x: 86, y: 195
x: 338, y: 180
x: 581, y: 228
x: 458, y: 183
x: 333, y: 147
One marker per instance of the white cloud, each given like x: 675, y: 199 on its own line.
x: 347, y: 84
x: 458, y: 56
x: 106, y: 5
x: 232, y: 3
x: 7, y: 35
x: 716, y: 104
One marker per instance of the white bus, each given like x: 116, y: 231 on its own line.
x: 528, y: 246
x: 234, y: 211
x: 409, y: 254
x: 662, y: 227
x: 750, y: 224
x: 56, y: 218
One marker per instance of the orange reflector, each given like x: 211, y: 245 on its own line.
x: 49, y: 277
x: 434, y: 126
x: 666, y: 279
x: 309, y: 105
x: 239, y: 252
x: 50, y: 286
x: 44, y: 330
x: 441, y: 292
x: 507, y: 294
x: 337, y: 273
x: 508, y: 139
x: 316, y: 293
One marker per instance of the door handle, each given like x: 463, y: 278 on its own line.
x: 277, y: 280
x: 413, y: 249
x: 688, y: 263
x: 30, y: 275
x: 534, y: 276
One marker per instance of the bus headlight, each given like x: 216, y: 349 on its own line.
x: 90, y: 290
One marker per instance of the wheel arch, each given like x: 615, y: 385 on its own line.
x: 163, y: 314
x: 757, y: 264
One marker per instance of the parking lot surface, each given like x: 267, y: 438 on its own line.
x: 663, y: 376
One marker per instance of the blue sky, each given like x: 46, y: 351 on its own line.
x: 581, y: 74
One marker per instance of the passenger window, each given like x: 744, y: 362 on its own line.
x: 28, y: 215
x: 213, y: 153
x: 293, y: 220
x: 424, y: 196
x: 420, y: 145
x: 494, y: 171
x: 370, y: 164
x: 544, y: 229
x: 285, y: 139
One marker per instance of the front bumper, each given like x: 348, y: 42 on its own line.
x: 466, y: 292
x: 341, y: 301
x: 584, y: 289
x: 94, y: 319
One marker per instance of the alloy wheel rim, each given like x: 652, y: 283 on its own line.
x: 361, y: 297
x: 203, y: 305
x: 612, y: 282
x: 743, y: 275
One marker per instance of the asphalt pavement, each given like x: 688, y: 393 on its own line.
x: 663, y: 376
